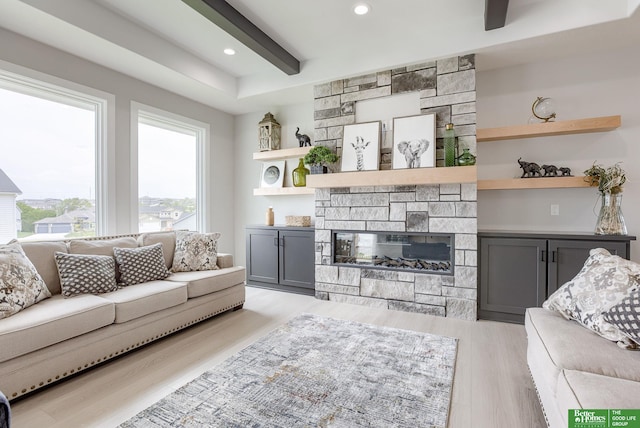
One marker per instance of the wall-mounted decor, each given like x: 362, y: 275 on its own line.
x: 361, y: 147
x: 268, y: 133
x: 414, y: 141
x: 272, y: 174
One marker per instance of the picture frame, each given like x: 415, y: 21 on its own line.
x: 272, y: 174
x: 361, y: 147
x: 414, y: 142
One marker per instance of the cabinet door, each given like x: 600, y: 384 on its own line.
x: 513, y: 277
x: 262, y: 255
x: 297, y: 258
x: 566, y: 258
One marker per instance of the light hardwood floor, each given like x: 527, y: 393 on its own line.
x: 492, y: 387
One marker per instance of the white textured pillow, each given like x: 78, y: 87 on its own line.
x: 20, y: 284
x: 195, y: 251
x: 603, y: 281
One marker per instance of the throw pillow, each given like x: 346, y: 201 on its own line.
x: 603, y: 281
x: 20, y: 284
x: 626, y: 315
x: 86, y: 274
x: 140, y: 264
x: 195, y: 251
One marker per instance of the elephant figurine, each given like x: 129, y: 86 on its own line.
x: 303, y: 139
x: 529, y: 169
x: 566, y: 171
x: 412, y: 151
x: 550, y: 170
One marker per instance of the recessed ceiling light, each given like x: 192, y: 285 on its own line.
x: 229, y: 51
x: 361, y: 9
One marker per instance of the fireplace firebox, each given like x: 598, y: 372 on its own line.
x: 418, y: 252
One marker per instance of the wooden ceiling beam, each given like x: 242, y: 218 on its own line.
x: 495, y: 14
x: 222, y: 14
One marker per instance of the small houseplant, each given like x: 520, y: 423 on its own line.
x: 318, y: 158
x: 609, y: 181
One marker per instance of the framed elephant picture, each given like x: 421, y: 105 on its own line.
x: 414, y: 141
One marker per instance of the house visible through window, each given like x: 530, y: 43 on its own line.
x: 168, y: 174
x: 48, y: 167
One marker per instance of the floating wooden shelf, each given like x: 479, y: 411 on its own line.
x: 396, y: 177
x: 296, y: 152
x: 532, y: 183
x: 280, y: 191
x: 578, y: 126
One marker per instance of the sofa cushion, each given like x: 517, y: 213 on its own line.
x: 86, y: 274
x: 52, y: 321
x: 564, y: 344
x: 141, y: 264
x: 102, y: 247
x: 225, y: 260
x: 20, y: 283
x: 168, y: 241
x: 139, y: 300
x: 41, y: 255
x: 601, y: 283
x: 195, y: 251
x: 577, y: 389
x: 626, y: 315
x: 209, y: 281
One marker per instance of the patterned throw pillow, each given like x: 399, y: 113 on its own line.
x: 626, y: 315
x: 603, y: 281
x: 142, y: 264
x: 20, y: 284
x: 195, y: 251
x: 86, y: 274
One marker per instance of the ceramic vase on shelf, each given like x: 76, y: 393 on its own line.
x: 269, y: 217
x: 299, y: 175
x: 610, y: 219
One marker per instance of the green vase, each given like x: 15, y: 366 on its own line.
x: 466, y: 158
x: 449, y: 145
x: 299, y: 174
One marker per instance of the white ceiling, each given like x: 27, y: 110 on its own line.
x: 168, y: 44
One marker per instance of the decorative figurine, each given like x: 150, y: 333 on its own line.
x: 529, y: 169
x: 303, y: 139
x: 550, y: 170
x: 566, y: 172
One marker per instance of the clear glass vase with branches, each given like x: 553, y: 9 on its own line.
x: 609, y: 181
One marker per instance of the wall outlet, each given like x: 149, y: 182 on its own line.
x: 555, y: 209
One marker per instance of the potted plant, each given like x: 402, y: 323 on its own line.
x: 318, y: 158
x: 609, y: 181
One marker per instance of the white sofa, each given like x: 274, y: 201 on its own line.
x: 574, y: 368
x: 59, y: 337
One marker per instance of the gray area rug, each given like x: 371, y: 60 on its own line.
x: 319, y: 372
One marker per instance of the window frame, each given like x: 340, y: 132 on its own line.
x: 33, y: 83
x: 141, y: 113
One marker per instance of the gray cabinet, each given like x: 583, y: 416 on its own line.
x: 520, y: 270
x: 281, y: 258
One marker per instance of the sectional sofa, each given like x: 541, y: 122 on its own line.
x: 59, y: 337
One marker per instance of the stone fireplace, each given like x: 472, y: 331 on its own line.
x: 446, y: 88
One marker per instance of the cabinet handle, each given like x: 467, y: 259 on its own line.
x: 542, y: 255
x: 553, y: 257
x: 282, y: 242
x: 275, y: 241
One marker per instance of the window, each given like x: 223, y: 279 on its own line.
x: 51, y: 161
x: 170, y: 172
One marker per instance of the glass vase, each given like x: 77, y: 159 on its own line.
x: 449, y: 145
x: 610, y: 218
x: 299, y: 174
x: 466, y: 158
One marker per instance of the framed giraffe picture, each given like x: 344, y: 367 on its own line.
x: 361, y: 147
x: 414, y: 141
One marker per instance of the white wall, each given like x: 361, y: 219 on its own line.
x: 27, y: 53
x: 251, y: 209
x: 583, y: 86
